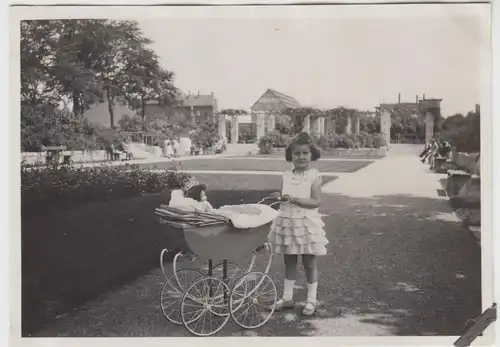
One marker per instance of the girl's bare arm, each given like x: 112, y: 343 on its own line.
x: 314, y: 201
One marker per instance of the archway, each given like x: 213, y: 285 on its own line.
x: 428, y: 109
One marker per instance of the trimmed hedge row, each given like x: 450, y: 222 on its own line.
x: 64, y: 187
x: 275, y: 139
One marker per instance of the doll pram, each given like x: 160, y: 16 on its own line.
x: 204, y: 302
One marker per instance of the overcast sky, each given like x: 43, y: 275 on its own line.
x: 352, y: 62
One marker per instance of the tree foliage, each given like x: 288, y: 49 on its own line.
x: 78, y: 63
x: 464, y: 133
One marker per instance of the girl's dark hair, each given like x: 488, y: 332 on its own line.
x: 195, y: 192
x: 303, y: 139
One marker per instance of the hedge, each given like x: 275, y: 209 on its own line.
x: 275, y: 139
x: 64, y: 187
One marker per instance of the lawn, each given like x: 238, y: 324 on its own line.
x: 74, y: 256
x: 242, y: 164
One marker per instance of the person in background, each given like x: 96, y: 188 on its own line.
x: 168, y: 150
x: 185, y: 145
x: 432, y: 147
x: 176, y: 146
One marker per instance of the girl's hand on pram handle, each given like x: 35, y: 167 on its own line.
x: 286, y: 198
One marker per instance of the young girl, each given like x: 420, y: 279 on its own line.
x: 298, y: 229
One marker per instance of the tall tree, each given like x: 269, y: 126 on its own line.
x: 38, y: 47
x: 144, y: 80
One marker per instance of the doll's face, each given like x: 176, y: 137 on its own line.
x: 203, y: 196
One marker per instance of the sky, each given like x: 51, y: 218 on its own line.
x: 356, y: 62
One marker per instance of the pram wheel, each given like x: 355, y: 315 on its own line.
x: 234, y: 272
x: 173, y: 291
x: 253, y: 300
x: 204, y: 307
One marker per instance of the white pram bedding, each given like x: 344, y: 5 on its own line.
x: 242, y: 216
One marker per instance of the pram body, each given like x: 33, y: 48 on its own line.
x: 225, y: 290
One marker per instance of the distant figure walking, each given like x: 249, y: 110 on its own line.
x: 168, y: 151
x: 177, y: 147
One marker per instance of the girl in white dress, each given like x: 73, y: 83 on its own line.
x: 298, y: 229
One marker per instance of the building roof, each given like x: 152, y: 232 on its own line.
x: 279, y: 99
x: 197, y: 100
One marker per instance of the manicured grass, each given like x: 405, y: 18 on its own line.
x: 242, y: 164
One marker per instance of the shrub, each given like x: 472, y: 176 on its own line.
x: 273, y: 139
x: 206, y: 135
x: 378, y: 141
x: 343, y: 141
x: 65, y: 186
x: 322, y: 141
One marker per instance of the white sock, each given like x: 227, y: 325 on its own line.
x: 288, y: 290
x: 312, y: 292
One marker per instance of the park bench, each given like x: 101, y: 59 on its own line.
x: 53, y: 155
x: 440, y: 164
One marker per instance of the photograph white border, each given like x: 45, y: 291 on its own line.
x: 136, y: 13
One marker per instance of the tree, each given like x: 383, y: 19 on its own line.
x: 144, y: 80
x: 81, y: 62
x: 37, y: 58
x: 205, y: 135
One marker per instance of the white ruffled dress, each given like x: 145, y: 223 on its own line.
x: 298, y: 230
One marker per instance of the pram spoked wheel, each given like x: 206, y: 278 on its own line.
x: 204, y: 307
x: 253, y: 300
x: 173, y: 290
x: 234, y: 272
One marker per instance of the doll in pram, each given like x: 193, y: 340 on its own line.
x: 204, y: 302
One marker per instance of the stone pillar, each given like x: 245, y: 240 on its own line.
x: 322, y: 126
x: 271, y: 122
x: 260, y: 121
x: 313, y: 125
x: 234, y: 129
x: 222, y: 125
x: 356, y: 124
x: 326, y: 125
x: 307, y: 124
x: 429, y: 126
x: 385, y: 126
x: 348, y: 127
x: 329, y: 126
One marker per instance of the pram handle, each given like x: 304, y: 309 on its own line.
x: 271, y: 197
